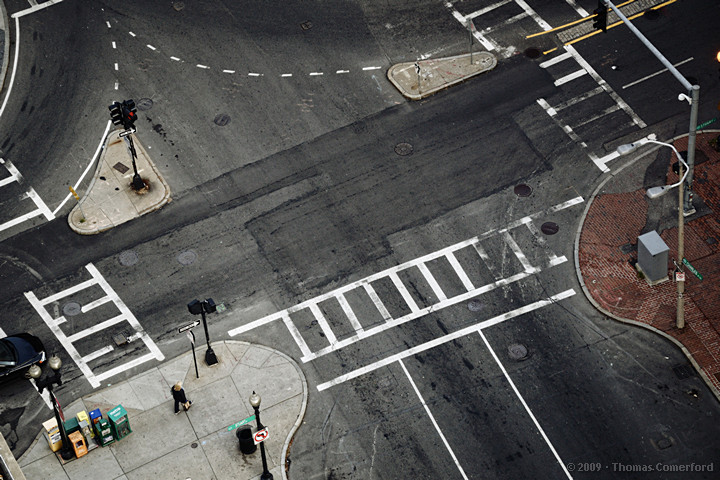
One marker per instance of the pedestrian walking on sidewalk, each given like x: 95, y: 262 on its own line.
x: 179, y: 397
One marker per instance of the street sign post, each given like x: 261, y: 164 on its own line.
x: 261, y: 435
x: 692, y: 269
x: 191, y: 336
x: 241, y: 423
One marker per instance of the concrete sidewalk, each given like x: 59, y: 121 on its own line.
x: 110, y: 199
x: 417, y: 80
x: 194, y: 445
x: 606, y: 249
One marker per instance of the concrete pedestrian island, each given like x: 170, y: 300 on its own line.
x: 196, y: 444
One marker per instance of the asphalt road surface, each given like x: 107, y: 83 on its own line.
x: 306, y: 187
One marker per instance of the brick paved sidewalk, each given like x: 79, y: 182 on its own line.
x: 607, y: 250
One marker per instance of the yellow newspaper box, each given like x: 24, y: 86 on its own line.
x: 53, y: 434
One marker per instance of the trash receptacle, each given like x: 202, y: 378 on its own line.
x: 247, y: 445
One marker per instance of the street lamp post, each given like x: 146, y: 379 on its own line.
x: 35, y: 372
x: 255, y: 402
x: 655, y: 192
x: 206, y: 306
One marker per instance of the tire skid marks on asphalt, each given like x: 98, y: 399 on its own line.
x: 229, y: 71
x: 391, y: 274
x: 54, y: 324
x: 585, y: 69
x: 40, y: 207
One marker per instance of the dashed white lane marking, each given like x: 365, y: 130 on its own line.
x: 175, y: 59
x: 371, y: 68
x: 116, y: 67
x: 132, y: 34
x: 67, y: 341
x: 151, y: 47
x: 527, y: 408
x: 251, y: 74
x: 202, y: 66
x: 228, y: 71
x: 445, y: 339
x: 312, y: 74
x: 108, y: 24
x: 114, y: 45
x: 286, y: 75
x: 432, y: 419
x: 343, y: 71
x: 656, y: 73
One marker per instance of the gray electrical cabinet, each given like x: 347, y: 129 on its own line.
x: 653, y: 257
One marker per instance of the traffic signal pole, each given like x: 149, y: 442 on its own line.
x: 693, y: 92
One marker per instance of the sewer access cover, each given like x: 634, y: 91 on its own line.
x: 403, y: 149
x: 222, y: 119
x: 71, y: 309
x: 532, y: 52
x: 187, y: 257
x: 144, y: 104
x: 475, y: 305
x: 517, y: 351
x: 127, y: 258
x: 549, y: 228
x: 523, y: 190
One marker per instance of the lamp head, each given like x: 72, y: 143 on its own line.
x: 655, y: 192
x: 55, y: 362
x: 255, y: 400
x: 35, y: 371
x: 627, y: 148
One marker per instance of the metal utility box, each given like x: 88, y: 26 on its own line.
x: 653, y: 257
x: 53, y: 434
x: 78, y: 442
x: 71, y: 425
x: 119, y: 423
x: 104, y: 432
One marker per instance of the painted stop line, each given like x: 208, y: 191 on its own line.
x: 261, y: 435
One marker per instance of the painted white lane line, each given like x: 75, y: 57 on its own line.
x: 228, y: 71
x: 2, y: 333
x: 202, y: 66
x: 570, y: 77
x: 432, y: 419
x: 15, y: 64
x: 113, y: 45
x: 251, y: 74
x: 583, y: 13
x: 295, y: 333
x: 315, y: 73
x: 175, y: 59
x: 69, y: 291
x: 19, y: 220
x: 487, y: 43
x: 377, y: 302
x: 467, y: 283
x: 15, y: 174
x: 579, y: 98
x: 598, y: 115
x: 487, y: 9
x: 556, y: 59
x: 403, y: 292
x: 527, y: 409
x: 95, y: 303
x: 108, y: 24
x: 445, y: 339
x: 486, y: 259
x: 432, y: 282
x: 60, y: 335
x: 349, y: 312
x: 371, y: 68
x: 286, y: 75
x: 151, y: 47
x: 132, y: 34
x: 35, y: 8
x: 322, y: 321
x: 116, y: 67
x: 605, y: 85
x: 126, y: 366
x: 87, y: 169
x: 656, y: 73
x: 343, y: 71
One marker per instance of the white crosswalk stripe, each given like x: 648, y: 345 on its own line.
x: 125, y: 315
x: 415, y: 310
x: 15, y: 177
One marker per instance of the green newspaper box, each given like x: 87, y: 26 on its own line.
x: 119, y: 423
x: 103, y: 432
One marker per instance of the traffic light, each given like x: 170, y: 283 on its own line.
x: 116, y: 114
x: 129, y: 113
x: 600, y: 21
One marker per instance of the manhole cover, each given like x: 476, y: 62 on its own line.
x: 475, y: 305
x: 144, y: 104
x: 517, y: 351
x: 306, y: 25
x: 522, y: 190
x: 194, y: 445
x: 187, y: 257
x: 71, y: 309
x: 178, y: 6
x: 403, y: 149
x: 549, y: 228
x: 127, y: 258
x: 222, y: 119
x: 664, y: 443
x: 532, y: 52
x: 121, y: 167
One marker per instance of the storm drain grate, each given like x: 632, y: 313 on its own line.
x: 121, y: 167
x: 222, y: 119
